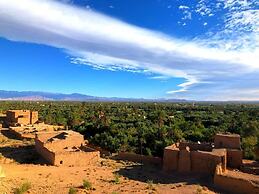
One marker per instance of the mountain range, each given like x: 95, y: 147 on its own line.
x: 48, y: 96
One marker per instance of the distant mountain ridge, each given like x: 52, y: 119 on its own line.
x: 48, y: 96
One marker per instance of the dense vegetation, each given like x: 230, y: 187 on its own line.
x: 148, y: 127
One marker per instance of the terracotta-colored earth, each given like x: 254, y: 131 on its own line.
x: 22, y: 164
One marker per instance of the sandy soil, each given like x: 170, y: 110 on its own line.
x: 22, y: 164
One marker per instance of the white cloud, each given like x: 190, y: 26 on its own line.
x: 183, y: 7
x: 106, y: 43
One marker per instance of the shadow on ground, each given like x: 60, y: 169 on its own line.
x: 19, y: 150
x: 22, y: 154
x: 154, y: 174
x: 9, y: 134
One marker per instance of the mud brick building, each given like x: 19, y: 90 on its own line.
x: 65, y: 148
x: 214, y: 159
x: 21, y: 117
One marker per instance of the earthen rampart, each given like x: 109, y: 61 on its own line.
x: 236, y: 182
x: 139, y: 158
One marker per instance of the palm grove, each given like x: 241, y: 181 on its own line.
x: 146, y: 128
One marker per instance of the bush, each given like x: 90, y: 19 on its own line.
x: 23, y: 188
x: 116, y: 178
x: 72, y: 190
x: 87, y: 184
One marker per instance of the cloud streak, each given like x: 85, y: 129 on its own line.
x: 106, y: 43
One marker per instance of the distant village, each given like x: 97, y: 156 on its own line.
x: 221, y: 159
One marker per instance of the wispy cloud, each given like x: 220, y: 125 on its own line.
x: 106, y: 43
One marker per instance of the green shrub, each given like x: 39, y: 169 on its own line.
x: 23, y: 188
x: 72, y: 190
x: 116, y: 178
x: 87, y: 184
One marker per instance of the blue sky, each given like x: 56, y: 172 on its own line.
x: 192, y: 49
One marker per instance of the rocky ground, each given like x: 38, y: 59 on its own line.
x: 23, y: 166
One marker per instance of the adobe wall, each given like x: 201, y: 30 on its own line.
x: 61, y: 144
x: 10, y: 117
x: 44, y: 152
x: 235, y: 184
x: 205, y: 162
x: 195, y: 146
x: 250, y: 166
x: 34, y: 117
x: 201, y: 162
x: 79, y: 158
x: 139, y: 158
x: 73, y: 140
x: 184, y: 163
x: 102, y: 151
x: 23, y: 120
x: 170, y: 159
x: 234, y: 158
x: 227, y: 141
x: 22, y: 117
x: 22, y: 133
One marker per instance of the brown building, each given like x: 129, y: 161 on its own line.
x: 65, y: 148
x: 187, y: 158
x: 232, y: 143
x: 29, y: 131
x: 204, y: 157
x: 21, y: 117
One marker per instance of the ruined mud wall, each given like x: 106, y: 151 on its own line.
x: 234, y: 158
x: 250, y: 166
x: 139, y: 158
x: 76, y: 158
x: 34, y: 117
x: 184, y: 163
x: 170, y: 159
x: 102, y: 151
x: 204, y: 163
x: 45, y: 153
x: 227, y: 141
x: 235, y: 185
x: 195, y: 146
x: 73, y: 141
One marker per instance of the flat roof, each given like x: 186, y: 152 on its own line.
x: 227, y: 135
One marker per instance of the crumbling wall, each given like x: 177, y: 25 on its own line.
x: 21, y: 117
x: 184, y: 163
x: 10, y: 117
x: 235, y: 184
x: 170, y: 159
x: 78, y: 158
x: 205, y: 162
x: 34, y: 117
x: 139, y: 158
x: 58, y: 140
x: 231, y: 141
x: 70, y: 141
x: 44, y: 152
x: 195, y: 146
x: 234, y: 158
x: 250, y: 166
